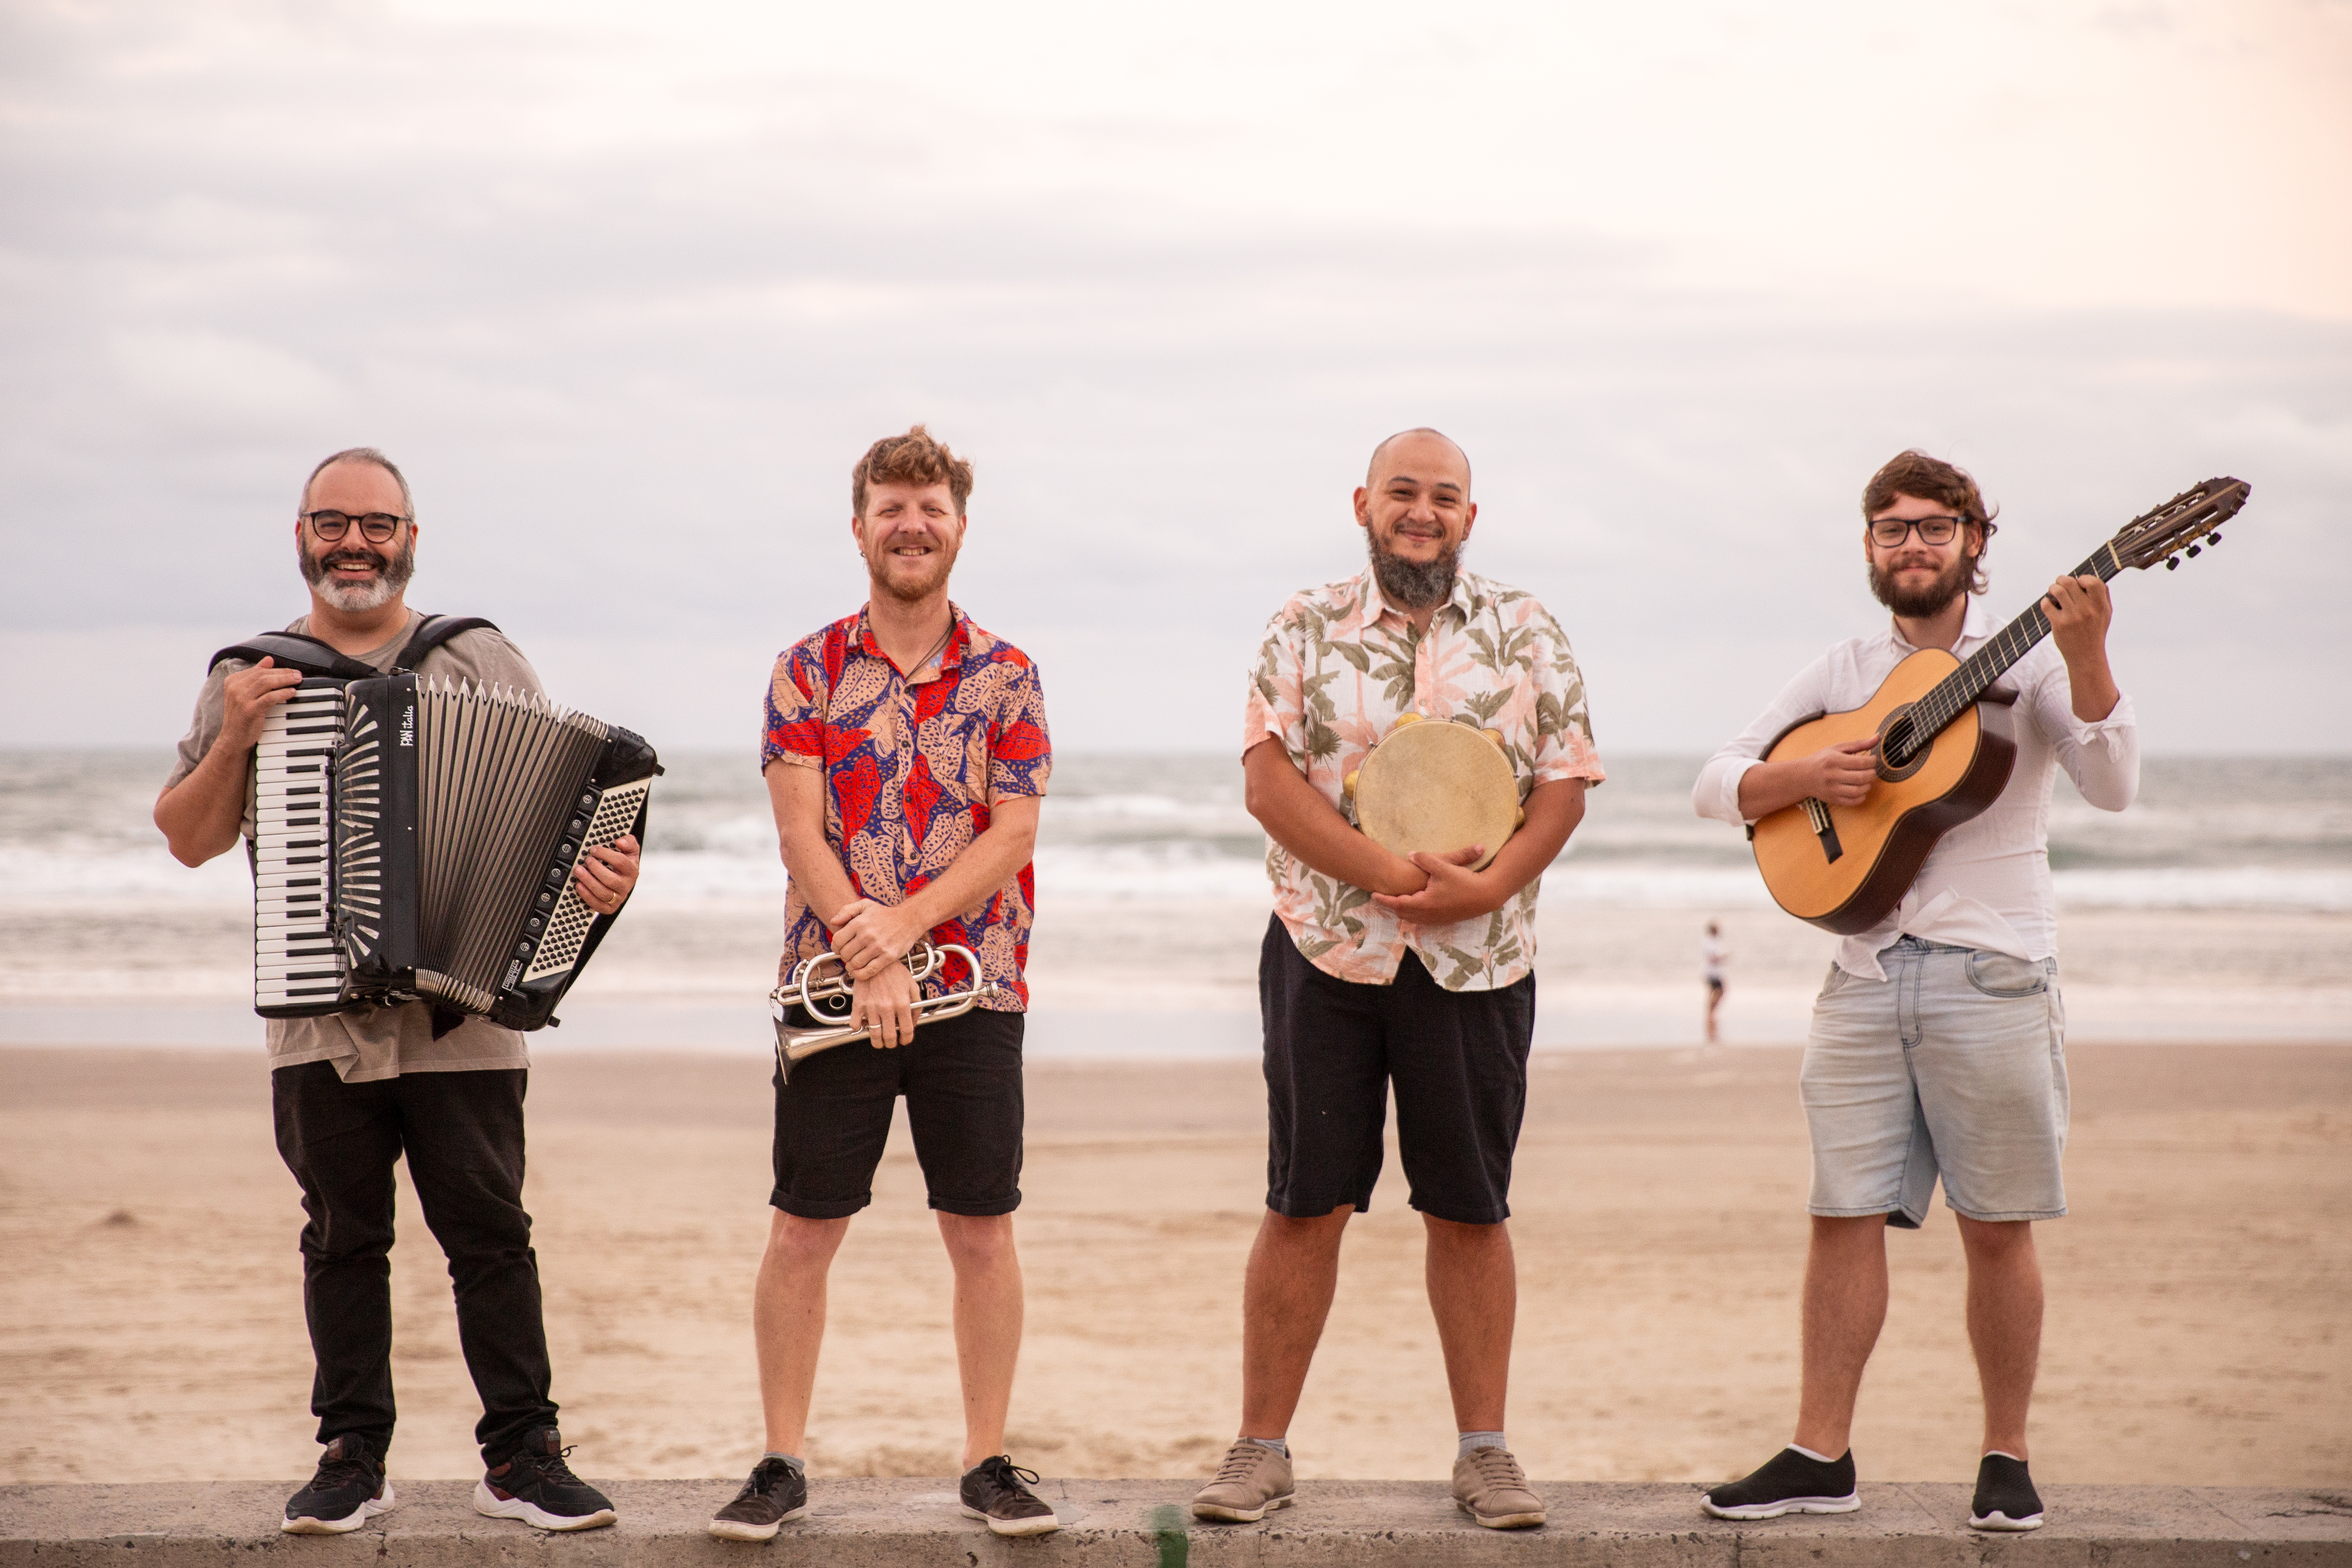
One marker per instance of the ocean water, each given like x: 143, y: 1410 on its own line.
x: 96, y: 913
x: 2207, y: 833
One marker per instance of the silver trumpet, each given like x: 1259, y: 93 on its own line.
x: 806, y: 990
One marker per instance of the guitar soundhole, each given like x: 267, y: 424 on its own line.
x: 1894, y: 738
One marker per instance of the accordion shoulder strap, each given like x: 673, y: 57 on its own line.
x: 432, y: 632
x: 293, y: 650
x: 297, y: 651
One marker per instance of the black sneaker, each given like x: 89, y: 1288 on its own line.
x: 776, y: 1495
x: 349, y: 1489
x: 2005, y: 1497
x: 537, y: 1487
x: 1789, y: 1482
x: 993, y: 1491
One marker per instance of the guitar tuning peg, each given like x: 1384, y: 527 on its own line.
x: 2172, y: 563
x: 2195, y: 551
x: 2213, y: 538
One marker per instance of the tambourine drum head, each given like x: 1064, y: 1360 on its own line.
x: 1438, y: 787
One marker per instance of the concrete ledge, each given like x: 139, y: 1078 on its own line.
x: 1145, y: 1524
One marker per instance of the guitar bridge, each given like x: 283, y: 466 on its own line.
x: 1824, y: 828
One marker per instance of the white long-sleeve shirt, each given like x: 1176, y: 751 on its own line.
x: 1987, y: 882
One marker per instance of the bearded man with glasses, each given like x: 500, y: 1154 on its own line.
x: 1937, y: 1048
x: 353, y: 1091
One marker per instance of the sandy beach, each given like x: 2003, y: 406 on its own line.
x: 150, y: 1309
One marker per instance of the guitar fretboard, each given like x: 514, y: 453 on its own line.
x: 1957, y: 691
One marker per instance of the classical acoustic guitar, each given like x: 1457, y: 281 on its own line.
x: 1945, y: 744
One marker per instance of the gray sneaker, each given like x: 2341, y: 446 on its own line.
x: 1253, y: 1481
x: 1489, y: 1486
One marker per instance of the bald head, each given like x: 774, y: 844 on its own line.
x: 1419, y: 447
x: 1417, y: 513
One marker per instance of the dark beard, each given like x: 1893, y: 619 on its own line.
x: 1929, y: 601
x: 1413, y: 585
x: 393, y: 573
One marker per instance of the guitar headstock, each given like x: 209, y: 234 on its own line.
x: 2198, y: 512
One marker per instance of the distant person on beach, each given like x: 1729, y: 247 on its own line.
x: 905, y: 755
x: 1712, y: 956
x: 1377, y: 970
x: 353, y: 1091
x: 1938, y: 1040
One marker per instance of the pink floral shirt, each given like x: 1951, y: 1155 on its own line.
x: 1336, y: 668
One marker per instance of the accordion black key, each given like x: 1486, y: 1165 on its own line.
x: 414, y: 840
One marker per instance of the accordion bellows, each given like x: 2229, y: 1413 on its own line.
x: 416, y: 838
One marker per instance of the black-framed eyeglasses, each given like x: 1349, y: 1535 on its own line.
x: 1889, y: 532
x: 376, y: 526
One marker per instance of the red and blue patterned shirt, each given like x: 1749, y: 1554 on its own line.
x: 912, y: 765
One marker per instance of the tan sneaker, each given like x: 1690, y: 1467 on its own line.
x: 1489, y: 1486
x: 1253, y: 1483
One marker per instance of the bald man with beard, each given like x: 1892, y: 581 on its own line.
x: 1377, y: 970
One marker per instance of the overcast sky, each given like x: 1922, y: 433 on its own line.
x: 626, y: 288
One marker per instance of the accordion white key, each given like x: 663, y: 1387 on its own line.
x: 414, y: 840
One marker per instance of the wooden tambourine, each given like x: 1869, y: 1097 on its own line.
x: 1438, y: 787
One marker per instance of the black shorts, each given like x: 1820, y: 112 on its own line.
x: 961, y: 1077
x: 1459, y: 1060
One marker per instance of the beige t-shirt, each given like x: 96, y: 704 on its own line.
x: 371, y: 1043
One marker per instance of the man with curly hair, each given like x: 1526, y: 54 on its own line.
x: 905, y: 755
x: 1937, y: 1048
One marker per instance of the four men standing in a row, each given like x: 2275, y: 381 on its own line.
x: 907, y: 753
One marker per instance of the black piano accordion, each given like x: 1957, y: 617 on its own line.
x: 414, y: 840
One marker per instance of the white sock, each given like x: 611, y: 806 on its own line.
x: 2004, y: 1453
x: 1469, y: 1441
x: 799, y: 1465
x: 1279, y: 1444
x: 1817, y: 1458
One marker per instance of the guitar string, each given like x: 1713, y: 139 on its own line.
x: 1963, y: 686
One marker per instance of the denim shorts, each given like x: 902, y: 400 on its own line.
x: 1953, y: 1066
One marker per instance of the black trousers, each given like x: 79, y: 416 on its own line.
x: 463, y: 1134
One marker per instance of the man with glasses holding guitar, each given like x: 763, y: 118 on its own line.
x: 1937, y: 1043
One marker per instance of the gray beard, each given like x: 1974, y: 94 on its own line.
x: 1929, y: 601
x: 358, y: 598
x: 1413, y: 585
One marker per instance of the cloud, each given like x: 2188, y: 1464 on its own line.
x: 628, y: 360
x: 208, y: 380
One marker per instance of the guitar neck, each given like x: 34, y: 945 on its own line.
x: 1959, y: 690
